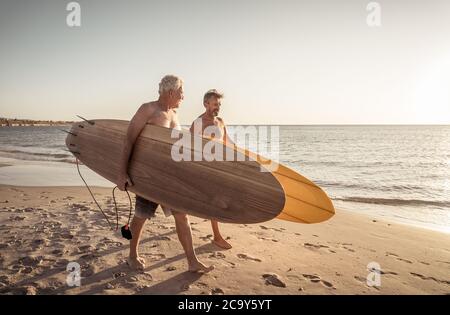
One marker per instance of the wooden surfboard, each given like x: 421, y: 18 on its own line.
x: 227, y: 191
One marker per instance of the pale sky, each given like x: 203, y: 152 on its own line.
x: 278, y: 62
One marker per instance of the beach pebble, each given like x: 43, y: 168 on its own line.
x: 171, y: 268
x: 273, y: 279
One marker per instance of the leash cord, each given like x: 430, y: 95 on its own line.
x: 115, y: 204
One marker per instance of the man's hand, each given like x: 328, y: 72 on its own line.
x: 123, y: 181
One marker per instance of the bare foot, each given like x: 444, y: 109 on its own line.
x: 142, y: 260
x: 199, y: 267
x: 222, y: 243
x: 135, y: 263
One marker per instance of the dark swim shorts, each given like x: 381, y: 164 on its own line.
x: 145, y: 209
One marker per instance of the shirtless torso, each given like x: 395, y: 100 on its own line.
x: 160, y: 117
x: 219, y: 129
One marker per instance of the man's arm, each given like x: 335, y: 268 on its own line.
x: 135, y: 127
x: 175, y: 123
x: 197, y: 130
x: 227, y: 138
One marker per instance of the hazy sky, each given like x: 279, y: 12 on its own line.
x: 278, y: 62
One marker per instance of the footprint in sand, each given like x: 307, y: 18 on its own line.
x: 185, y: 287
x: 163, y: 238
x: 314, y: 246
x: 57, y: 252
x: 90, y: 256
x: 88, y: 270
x: 385, y: 272
x: 39, y: 243
x: 273, y: 279
x: 85, y: 249
x: 4, y: 281
x: 268, y: 239
x: 154, y: 257
x: 247, y: 257
x: 110, y: 243
x: 418, y: 275
x: 206, y: 238
x: 171, y: 268
x: 31, y: 261
x: 398, y: 258
x: 346, y: 246
x: 201, y: 285
x: 66, y: 235
x: 17, y: 218
x: 217, y: 291
x: 26, y: 270
x: 119, y: 275
x: 317, y: 279
x: 217, y: 255
x: 274, y: 229
x: 83, y: 238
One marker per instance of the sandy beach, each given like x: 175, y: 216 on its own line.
x: 45, y: 228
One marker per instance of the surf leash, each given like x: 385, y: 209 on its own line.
x: 126, y: 233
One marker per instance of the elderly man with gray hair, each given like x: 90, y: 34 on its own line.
x: 161, y: 112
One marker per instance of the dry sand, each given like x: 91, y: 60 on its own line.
x: 45, y: 228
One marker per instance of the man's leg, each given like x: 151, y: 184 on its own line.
x: 136, y: 226
x: 218, y: 239
x: 185, y: 237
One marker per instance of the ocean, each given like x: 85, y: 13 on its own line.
x: 399, y: 173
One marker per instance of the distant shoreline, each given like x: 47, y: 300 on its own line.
x: 8, y: 122
x: 36, y: 125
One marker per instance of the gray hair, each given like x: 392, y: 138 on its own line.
x: 170, y: 82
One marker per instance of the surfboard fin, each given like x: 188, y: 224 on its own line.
x: 88, y: 121
x: 69, y: 132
